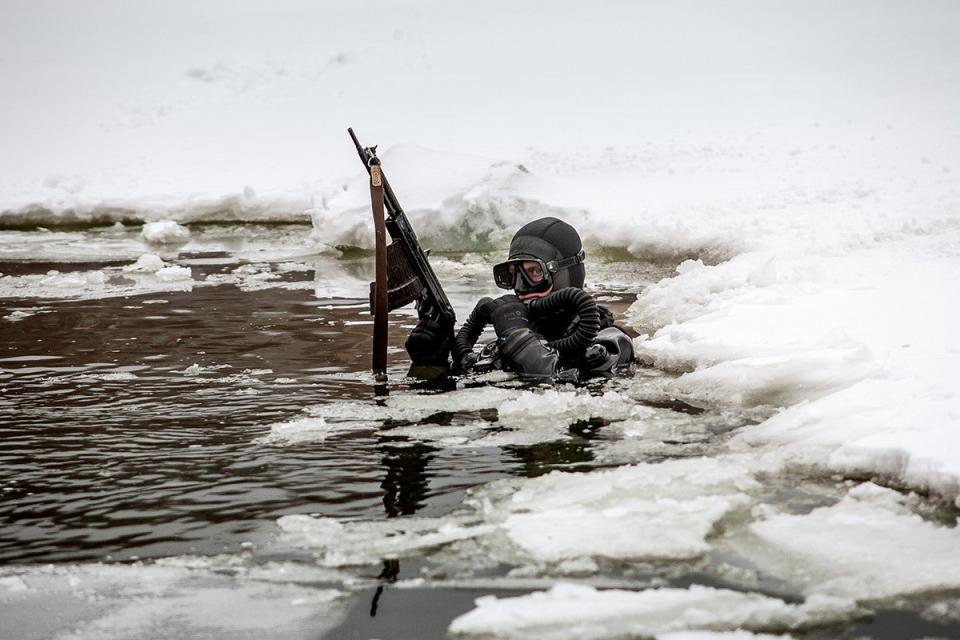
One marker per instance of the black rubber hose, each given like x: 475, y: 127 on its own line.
x: 575, y: 344
x: 585, y: 307
x: 470, y: 331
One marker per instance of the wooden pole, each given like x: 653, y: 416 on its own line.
x: 380, y: 286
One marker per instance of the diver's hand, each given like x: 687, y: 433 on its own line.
x: 466, y: 362
x: 595, y: 356
x: 507, y: 313
x: 428, y: 343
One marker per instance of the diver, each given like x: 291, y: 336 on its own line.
x: 548, y: 328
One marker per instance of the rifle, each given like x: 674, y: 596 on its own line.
x: 409, y: 274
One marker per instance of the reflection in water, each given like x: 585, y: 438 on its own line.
x: 406, y: 480
x: 538, y: 459
x: 389, y: 573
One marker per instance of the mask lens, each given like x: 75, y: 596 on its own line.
x: 503, y: 275
x: 522, y: 275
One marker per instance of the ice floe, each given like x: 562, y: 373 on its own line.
x: 362, y: 543
x: 308, y: 429
x: 870, y: 546
x: 623, y: 513
x: 569, y: 610
x: 165, y: 232
x: 147, y: 263
x: 105, y: 601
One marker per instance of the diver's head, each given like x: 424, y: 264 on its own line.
x: 545, y: 255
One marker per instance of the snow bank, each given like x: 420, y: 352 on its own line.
x: 219, y: 129
x: 454, y: 201
x: 853, y: 352
x: 569, y: 610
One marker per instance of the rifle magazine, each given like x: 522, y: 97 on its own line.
x: 403, y: 285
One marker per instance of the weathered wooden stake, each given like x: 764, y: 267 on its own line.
x: 380, y: 286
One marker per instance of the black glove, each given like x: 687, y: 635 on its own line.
x: 595, y: 356
x: 507, y: 314
x: 429, y: 344
x: 467, y: 360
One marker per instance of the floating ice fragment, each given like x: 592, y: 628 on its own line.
x: 473, y: 399
x: 563, y: 408
x: 358, y: 543
x: 16, y: 316
x: 575, y: 611
x: 663, y: 510
x: 147, y: 263
x: 870, y: 545
x: 110, y: 377
x: 307, y: 430
x: 173, y: 273
x: 293, y: 266
x: 189, y: 600
x: 343, y: 410
x: 165, y: 232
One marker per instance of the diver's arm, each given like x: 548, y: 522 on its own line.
x: 521, y: 349
x: 527, y: 353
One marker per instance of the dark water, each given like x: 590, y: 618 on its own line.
x: 114, y: 447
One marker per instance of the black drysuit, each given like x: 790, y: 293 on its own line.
x: 533, y: 347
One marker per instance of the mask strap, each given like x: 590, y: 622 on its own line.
x: 555, y: 265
